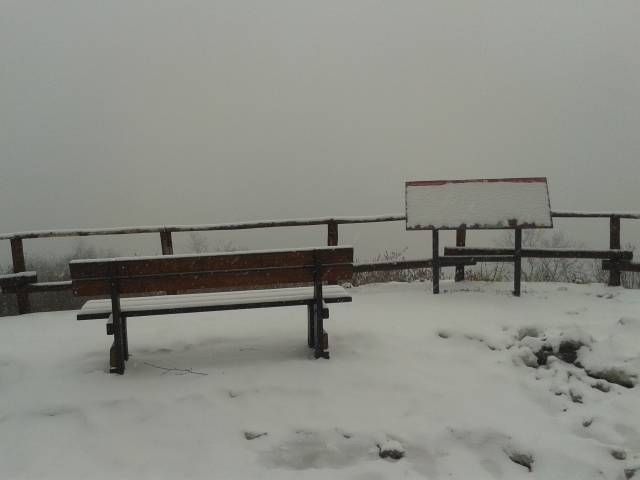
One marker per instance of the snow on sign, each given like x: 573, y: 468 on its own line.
x: 478, y: 204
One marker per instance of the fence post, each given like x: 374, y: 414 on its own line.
x: 166, y: 242
x: 435, y: 262
x: 17, y: 254
x: 332, y: 233
x: 461, y: 238
x: 614, y: 244
x: 517, y: 262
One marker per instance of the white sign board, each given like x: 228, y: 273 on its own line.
x: 478, y: 204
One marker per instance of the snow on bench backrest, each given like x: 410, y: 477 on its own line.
x: 478, y: 204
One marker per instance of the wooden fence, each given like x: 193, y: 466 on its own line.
x: 166, y: 241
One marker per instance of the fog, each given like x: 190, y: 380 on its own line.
x: 162, y: 112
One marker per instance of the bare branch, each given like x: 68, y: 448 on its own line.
x: 179, y: 371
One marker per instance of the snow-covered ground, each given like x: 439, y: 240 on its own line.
x: 451, y: 381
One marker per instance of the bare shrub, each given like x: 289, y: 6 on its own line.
x: 198, y: 243
x: 410, y: 275
x: 488, y: 272
x: 570, y: 270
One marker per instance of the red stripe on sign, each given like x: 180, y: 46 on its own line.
x: 427, y: 183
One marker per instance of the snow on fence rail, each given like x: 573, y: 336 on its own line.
x: 297, y: 222
x: 633, y: 215
x: 165, y: 231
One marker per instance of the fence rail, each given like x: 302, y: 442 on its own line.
x: 296, y: 222
x: 632, y: 215
x: 166, y: 242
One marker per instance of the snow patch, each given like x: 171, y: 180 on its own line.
x: 457, y: 408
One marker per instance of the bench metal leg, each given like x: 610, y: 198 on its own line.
x: 325, y: 344
x: 116, y: 358
x: 321, y: 340
x: 117, y: 353
x: 310, y: 327
x: 114, y: 352
x: 111, y: 330
x: 125, y: 338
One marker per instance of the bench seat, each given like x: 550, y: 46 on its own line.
x: 206, y: 302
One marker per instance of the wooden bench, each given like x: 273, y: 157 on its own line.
x: 299, y: 274
x: 478, y: 204
x: 18, y: 283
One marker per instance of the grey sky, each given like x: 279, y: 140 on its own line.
x: 149, y: 112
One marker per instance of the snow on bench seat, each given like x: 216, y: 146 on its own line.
x: 199, y: 302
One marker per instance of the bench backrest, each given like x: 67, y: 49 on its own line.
x: 224, y: 270
x: 478, y: 204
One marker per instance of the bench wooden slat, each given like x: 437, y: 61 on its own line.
x: 205, y: 302
x: 205, y: 280
x: 123, y: 267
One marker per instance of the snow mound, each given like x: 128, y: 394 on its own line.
x: 391, y: 449
x: 612, y: 359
